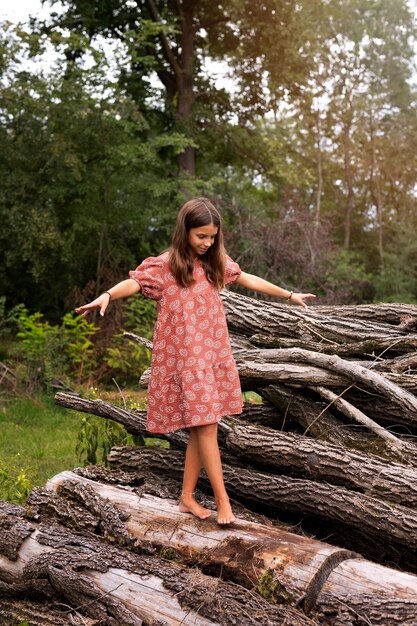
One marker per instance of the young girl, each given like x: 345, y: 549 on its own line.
x: 194, y: 379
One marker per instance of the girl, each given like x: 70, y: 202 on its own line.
x: 194, y: 379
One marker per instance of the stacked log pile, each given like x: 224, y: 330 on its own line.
x: 322, y: 474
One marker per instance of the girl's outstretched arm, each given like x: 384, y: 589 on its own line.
x: 123, y: 289
x: 254, y: 283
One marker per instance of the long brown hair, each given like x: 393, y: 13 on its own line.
x: 193, y: 214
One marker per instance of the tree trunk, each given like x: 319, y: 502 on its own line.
x: 279, y: 451
x: 177, y: 73
x: 279, y: 564
x: 118, y: 586
x: 376, y: 519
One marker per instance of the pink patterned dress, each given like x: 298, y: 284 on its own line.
x: 194, y: 379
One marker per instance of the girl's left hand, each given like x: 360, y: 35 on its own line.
x: 298, y: 298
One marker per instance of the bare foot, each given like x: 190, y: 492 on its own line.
x: 188, y: 504
x: 224, y: 511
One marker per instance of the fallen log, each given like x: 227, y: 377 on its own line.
x: 277, y: 563
x: 115, y: 586
x: 245, y: 317
x: 398, y: 370
x: 379, y: 521
x: 350, y: 371
x: 304, y: 457
x: 305, y: 412
x: 280, y: 451
x: 372, y: 348
x: 402, y: 316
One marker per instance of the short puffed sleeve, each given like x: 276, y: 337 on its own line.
x: 232, y: 271
x: 150, y: 276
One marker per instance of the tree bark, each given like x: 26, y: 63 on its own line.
x: 374, y: 518
x: 280, y: 451
x: 280, y: 564
x: 323, y: 329
x: 302, y: 456
x: 305, y: 412
x: 116, y: 586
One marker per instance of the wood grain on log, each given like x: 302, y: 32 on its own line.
x: 246, y: 551
x: 377, y: 519
x: 118, y: 587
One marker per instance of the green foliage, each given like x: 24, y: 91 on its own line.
x: 140, y: 316
x: 8, y: 326
x: 396, y: 283
x: 15, y: 481
x: 83, y: 178
x: 97, y: 436
x: 346, y: 279
x: 90, y: 166
x: 51, y: 351
x: 125, y: 358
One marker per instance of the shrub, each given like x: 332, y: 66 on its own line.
x: 55, y: 351
x: 15, y: 483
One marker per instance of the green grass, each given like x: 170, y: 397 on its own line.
x: 38, y: 436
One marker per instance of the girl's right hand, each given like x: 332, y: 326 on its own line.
x: 102, y: 302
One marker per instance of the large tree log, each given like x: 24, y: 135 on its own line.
x: 294, y: 454
x: 116, y: 586
x: 245, y: 317
x: 280, y: 564
x: 352, y: 372
x: 302, y: 456
x: 402, y: 316
x: 375, y: 519
x: 398, y: 370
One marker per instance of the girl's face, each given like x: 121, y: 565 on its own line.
x: 200, y: 239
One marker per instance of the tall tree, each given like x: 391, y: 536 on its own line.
x: 83, y: 184
x: 174, y: 39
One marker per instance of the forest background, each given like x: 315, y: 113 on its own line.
x: 307, y: 146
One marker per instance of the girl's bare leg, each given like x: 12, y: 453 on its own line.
x: 210, y: 456
x: 192, y: 469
